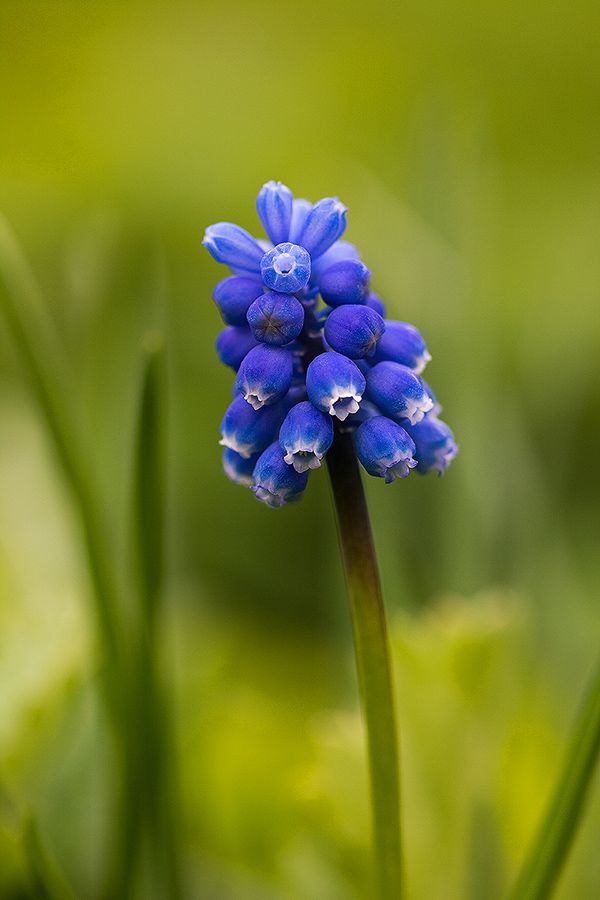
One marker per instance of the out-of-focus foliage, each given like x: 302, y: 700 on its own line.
x: 465, y: 141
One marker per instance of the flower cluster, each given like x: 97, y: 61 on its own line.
x: 309, y: 344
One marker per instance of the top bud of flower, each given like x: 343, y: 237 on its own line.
x: 286, y: 268
x: 324, y: 224
x: 274, y: 206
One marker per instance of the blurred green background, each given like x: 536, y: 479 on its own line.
x: 465, y: 140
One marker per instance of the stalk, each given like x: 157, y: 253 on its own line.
x: 548, y: 853
x: 372, y: 659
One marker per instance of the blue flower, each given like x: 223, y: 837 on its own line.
x: 306, y: 435
x: 311, y: 348
x: 274, y: 206
x: 233, y: 296
x: 276, y: 483
x: 233, y: 344
x: 276, y: 318
x: 335, y: 385
x: 286, y: 268
x: 265, y: 375
x: 385, y: 449
x: 398, y: 392
x: 435, y: 445
x: 239, y: 469
x: 233, y: 246
x: 324, y: 224
x: 354, y: 330
x: 248, y: 431
x: 402, y: 343
x: 346, y: 281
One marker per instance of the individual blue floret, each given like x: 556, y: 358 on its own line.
x: 233, y: 344
x: 265, y: 375
x: 249, y: 431
x: 233, y: 246
x: 398, y: 392
x: 354, y: 330
x: 385, y: 449
x: 335, y: 384
x: 274, y: 206
x: 276, y: 483
x: 403, y: 343
x: 435, y: 444
x: 300, y: 210
x: 345, y: 282
x: 233, y: 296
x: 239, y: 469
x: 286, y: 268
x: 306, y: 435
x: 276, y: 318
x: 323, y: 225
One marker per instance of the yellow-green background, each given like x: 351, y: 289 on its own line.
x: 465, y: 140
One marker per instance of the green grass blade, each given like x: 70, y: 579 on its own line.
x: 550, y: 848
x: 51, y: 384
x: 47, y: 880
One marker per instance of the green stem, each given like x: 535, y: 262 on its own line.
x: 551, y: 846
x: 372, y: 659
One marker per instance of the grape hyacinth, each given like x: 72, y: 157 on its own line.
x: 311, y: 348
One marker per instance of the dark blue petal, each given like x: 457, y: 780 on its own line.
x: 237, y: 468
x: 398, y: 392
x: 276, y: 483
x: 234, y: 295
x: 324, y: 224
x: 248, y: 431
x: 354, y: 330
x: 233, y: 344
x: 265, y: 375
x: 306, y: 436
x: 276, y: 318
x: 274, y: 207
x: 403, y: 343
x: 335, y: 385
x: 385, y: 449
x: 345, y: 282
x: 435, y: 444
x: 233, y: 246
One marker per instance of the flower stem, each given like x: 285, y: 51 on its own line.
x: 372, y: 659
x: 548, y: 853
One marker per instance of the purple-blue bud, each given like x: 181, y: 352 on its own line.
x: 398, y: 392
x: 276, y: 483
x: 345, y: 282
x: 335, y: 384
x: 238, y: 468
x: 300, y: 210
x: 375, y: 302
x: 249, y: 431
x: 276, y: 318
x: 340, y: 251
x: 354, y: 330
x: 324, y: 224
x: 233, y: 246
x: 233, y: 344
x: 265, y: 375
x: 306, y: 435
x: 233, y: 296
x: 435, y: 445
x: 274, y: 207
x: 403, y: 343
x: 385, y: 449
x: 286, y: 268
